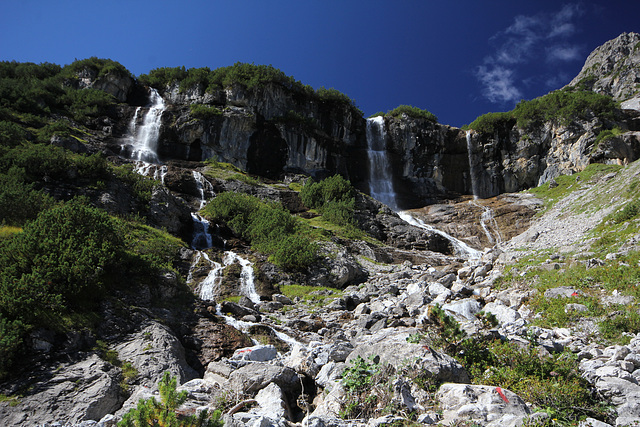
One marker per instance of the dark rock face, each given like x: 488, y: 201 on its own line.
x: 258, y: 131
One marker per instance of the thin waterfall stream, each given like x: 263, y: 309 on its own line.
x: 487, y: 220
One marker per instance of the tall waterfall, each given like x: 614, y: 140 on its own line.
x: 143, y: 138
x: 380, y: 178
x: 473, y: 174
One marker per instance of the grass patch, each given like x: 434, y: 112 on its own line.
x: 570, y: 183
x: 310, y: 295
x: 7, y: 231
x: 11, y: 400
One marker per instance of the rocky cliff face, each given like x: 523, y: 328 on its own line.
x: 266, y: 131
x: 271, y: 130
x: 613, y: 68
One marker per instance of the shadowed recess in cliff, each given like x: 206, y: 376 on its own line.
x: 268, y: 152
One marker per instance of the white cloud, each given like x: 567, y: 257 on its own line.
x: 498, y: 84
x: 563, y: 53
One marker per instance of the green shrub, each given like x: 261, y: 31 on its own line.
x: 630, y: 211
x: 151, y: 413
x: 491, y: 122
x: 19, y: 201
x: 11, y: 340
x: 11, y: 134
x: 61, y: 258
x: 561, y: 106
x: 269, y: 227
x: 628, y: 321
x: 413, y: 112
x: 552, y: 382
x: 100, y: 65
x: 204, y: 112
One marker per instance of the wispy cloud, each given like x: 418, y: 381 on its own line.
x: 498, y: 84
x: 528, y: 38
x: 563, y: 53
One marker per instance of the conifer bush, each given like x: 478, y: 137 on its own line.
x: 151, y: 413
x: 268, y: 227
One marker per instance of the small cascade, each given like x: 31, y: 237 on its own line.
x: 143, y: 138
x: 203, y: 186
x: 489, y: 224
x: 381, y: 188
x: 201, y: 237
x: 247, y: 284
x: 473, y: 173
x: 210, y: 286
x: 461, y: 247
x: 380, y: 178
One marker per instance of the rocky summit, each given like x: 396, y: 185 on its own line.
x: 231, y: 247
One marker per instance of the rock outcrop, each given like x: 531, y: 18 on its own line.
x: 613, y: 68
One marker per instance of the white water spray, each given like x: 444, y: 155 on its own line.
x: 143, y: 138
x: 381, y: 188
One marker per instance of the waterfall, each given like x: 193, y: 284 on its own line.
x: 201, y: 237
x: 380, y: 178
x: 487, y: 222
x: 143, y: 138
x: 461, y: 248
x: 473, y: 175
x: 247, y: 284
x: 381, y: 188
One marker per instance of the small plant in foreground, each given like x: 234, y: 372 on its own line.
x: 150, y: 412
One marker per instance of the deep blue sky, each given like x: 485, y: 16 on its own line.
x: 457, y: 59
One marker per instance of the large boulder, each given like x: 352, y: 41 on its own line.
x: 490, y: 406
x: 153, y: 350
x: 85, y: 390
x: 390, y: 345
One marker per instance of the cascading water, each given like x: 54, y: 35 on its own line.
x: 144, y: 138
x: 487, y: 219
x: 380, y: 178
x: 473, y: 176
x: 381, y: 188
x: 461, y: 248
x: 201, y: 237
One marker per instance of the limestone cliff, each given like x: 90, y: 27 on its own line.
x: 613, y: 68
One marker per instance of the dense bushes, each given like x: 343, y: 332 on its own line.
x: 60, y: 258
x: 269, y: 227
x: 333, y: 198
x: 561, y: 106
x: 67, y: 258
x: 250, y: 76
x: 44, y: 89
x: 413, y: 112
